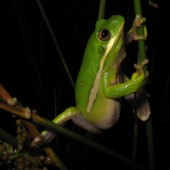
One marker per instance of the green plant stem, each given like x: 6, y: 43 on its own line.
x: 7, y: 137
x: 101, y: 9
x: 149, y: 133
x: 135, y: 136
x: 140, y: 32
x: 142, y: 56
x: 56, y: 128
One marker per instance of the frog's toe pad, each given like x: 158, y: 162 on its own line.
x: 12, y: 101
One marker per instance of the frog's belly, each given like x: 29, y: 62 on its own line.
x: 105, y: 113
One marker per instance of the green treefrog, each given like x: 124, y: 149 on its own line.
x: 100, y: 83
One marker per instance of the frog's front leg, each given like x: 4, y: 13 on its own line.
x: 76, y: 116
x: 116, y: 90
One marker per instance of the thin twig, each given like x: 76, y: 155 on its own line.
x: 142, y: 55
x: 56, y: 43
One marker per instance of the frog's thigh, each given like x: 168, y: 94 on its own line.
x: 60, y: 120
x: 77, y: 117
x: 82, y: 122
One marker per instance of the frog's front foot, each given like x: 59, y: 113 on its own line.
x: 139, y: 78
x: 12, y: 101
x: 132, y: 33
x: 136, y: 24
x: 139, y: 20
x: 141, y: 65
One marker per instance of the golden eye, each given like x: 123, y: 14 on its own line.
x: 104, y: 34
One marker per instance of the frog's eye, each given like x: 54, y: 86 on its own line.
x: 104, y: 34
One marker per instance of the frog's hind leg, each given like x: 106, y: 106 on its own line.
x: 82, y: 122
x: 76, y: 116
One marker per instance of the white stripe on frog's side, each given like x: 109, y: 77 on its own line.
x: 94, y: 90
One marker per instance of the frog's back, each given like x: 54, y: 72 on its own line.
x: 86, y: 77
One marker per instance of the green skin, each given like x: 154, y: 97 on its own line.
x: 100, y: 83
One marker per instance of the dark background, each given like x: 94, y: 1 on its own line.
x: 27, y: 50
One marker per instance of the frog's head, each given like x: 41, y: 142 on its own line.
x: 110, y: 36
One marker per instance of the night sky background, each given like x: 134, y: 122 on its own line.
x: 27, y: 50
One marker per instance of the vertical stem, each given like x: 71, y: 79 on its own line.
x: 135, y: 136
x: 141, y: 43
x: 101, y: 9
x: 142, y: 55
x: 7, y: 137
x: 149, y: 133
